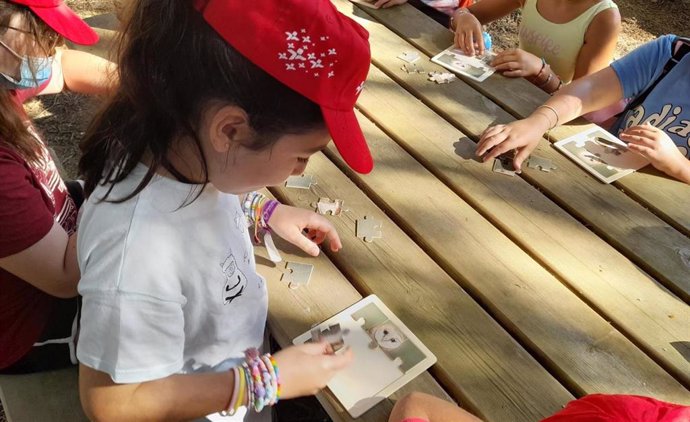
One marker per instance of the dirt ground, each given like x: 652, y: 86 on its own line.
x: 62, y: 119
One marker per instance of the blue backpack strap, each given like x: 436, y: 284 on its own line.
x: 681, y: 47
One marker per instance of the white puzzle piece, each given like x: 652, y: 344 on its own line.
x: 387, y: 355
x: 409, y: 56
x: 327, y: 206
x: 543, y: 164
x: 303, y: 181
x: 298, y: 274
x: 368, y: 229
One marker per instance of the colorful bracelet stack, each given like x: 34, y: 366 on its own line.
x: 258, y: 210
x: 257, y: 383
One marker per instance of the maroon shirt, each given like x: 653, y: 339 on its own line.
x: 32, y: 198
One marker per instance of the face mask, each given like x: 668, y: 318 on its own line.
x: 42, y: 70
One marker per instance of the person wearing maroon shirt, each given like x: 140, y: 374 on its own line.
x: 38, y: 216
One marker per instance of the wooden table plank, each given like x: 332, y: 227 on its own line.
x: 644, y: 310
x: 292, y: 312
x: 643, y: 237
x: 520, y: 98
x: 577, y: 345
x: 478, y: 362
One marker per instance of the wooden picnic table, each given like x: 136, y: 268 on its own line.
x: 530, y: 290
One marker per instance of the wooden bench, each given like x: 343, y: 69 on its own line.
x: 48, y: 396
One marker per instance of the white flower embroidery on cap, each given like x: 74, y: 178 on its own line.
x: 320, y: 55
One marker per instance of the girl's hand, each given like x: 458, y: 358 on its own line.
x: 388, y: 3
x: 522, y: 135
x: 656, y: 146
x: 468, y: 33
x: 516, y: 62
x: 305, y: 369
x: 291, y: 222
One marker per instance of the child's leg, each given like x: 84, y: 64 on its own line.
x: 419, y: 407
x: 56, y: 348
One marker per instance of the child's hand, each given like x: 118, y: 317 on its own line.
x: 388, y: 3
x: 290, y: 222
x: 656, y: 146
x: 516, y: 62
x: 468, y: 33
x: 307, y: 368
x: 522, y: 135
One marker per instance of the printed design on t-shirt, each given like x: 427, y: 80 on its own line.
x: 669, y: 119
x: 540, y: 40
x: 240, y: 221
x: 235, y: 280
x: 54, y: 188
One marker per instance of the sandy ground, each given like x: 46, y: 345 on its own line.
x: 62, y: 119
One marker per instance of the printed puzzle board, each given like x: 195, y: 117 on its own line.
x: 387, y: 355
x: 477, y: 67
x: 601, y: 154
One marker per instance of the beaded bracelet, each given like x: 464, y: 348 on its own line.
x: 264, y: 383
x: 279, y: 390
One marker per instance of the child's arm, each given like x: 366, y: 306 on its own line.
x: 429, y: 408
x: 600, y: 43
x: 86, y: 73
x: 50, y: 264
x: 655, y: 145
x: 467, y: 22
x: 584, y: 95
x: 304, y: 370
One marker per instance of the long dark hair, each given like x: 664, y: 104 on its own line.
x: 14, y: 131
x: 171, y: 65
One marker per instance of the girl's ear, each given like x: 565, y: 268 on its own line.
x: 229, y: 127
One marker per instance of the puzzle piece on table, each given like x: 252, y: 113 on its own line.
x: 441, y: 77
x: 299, y: 274
x: 409, y: 56
x: 542, y: 164
x: 333, y: 335
x: 368, y: 229
x: 412, y: 68
x: 303, y: 181
x: 329, y: 206
x: 503, y: 164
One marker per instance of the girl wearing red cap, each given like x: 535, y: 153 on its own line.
x: 418, y: 407
x: 216, y: 100
x: 38, y: 266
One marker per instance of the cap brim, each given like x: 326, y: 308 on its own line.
x: 66, y: 23
x: 349, y: 139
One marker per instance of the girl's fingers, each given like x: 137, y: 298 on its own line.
x: 640, y: 149
x: 380, y: 3
x: 490, y: 142
x: 320, y: 224
x: 513, y: 73
x: 491, y: 131
x: 480, y: 40
x: 469, y: 43
x: 499, y: 149
x: 301, y: 241
x: 639, y: 140
x: 520, y: 157
x: 339, y: 361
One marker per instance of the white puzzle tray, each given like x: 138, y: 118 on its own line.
x: 387, y: 355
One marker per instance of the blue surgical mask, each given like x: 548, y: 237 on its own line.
x: 34, y: 72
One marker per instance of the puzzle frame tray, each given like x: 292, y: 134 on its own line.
x: 387, y: 355
x: 607, y: 160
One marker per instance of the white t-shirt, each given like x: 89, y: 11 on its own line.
x: 166, y: 288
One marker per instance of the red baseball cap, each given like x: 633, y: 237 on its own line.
x: 310, y: 47
x: 62, y: 19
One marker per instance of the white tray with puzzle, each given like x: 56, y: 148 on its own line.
x: 387, y: 355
